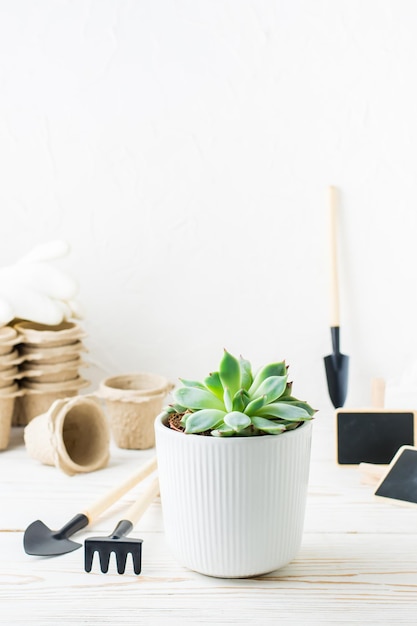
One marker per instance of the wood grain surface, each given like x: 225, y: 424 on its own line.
x: 357, y: 563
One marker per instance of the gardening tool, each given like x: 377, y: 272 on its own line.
x: 42, y: 541
x: 336, y: 364
x: 117, y: 542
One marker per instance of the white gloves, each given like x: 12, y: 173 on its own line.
x: 32, y: 289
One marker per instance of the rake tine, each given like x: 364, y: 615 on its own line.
x: 135, y: 549
x: 121, y: 558
x: 104, y: 556
x: 137, y: 560
x: 88, y: 557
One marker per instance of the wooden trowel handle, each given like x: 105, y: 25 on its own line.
x: 103, y: 503
x: 334, y: 278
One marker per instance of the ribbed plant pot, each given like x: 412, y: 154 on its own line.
x: 73, y: 435
x: 132, y: 402
x: 233, y: 507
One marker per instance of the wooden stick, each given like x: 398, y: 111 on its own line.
x: 334, y: 278
x: 104, y: 502
x: 137, y: 509
x: 378, y: 393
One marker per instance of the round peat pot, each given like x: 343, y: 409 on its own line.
x: 48, y: 356
x: 10, y: 359
x: 76, y: 383
x: 44, y: 336
x: 132, y: 385
x: 8, y: 376
x: 73, y: 435
x: 8, y: 335
x: 7, y: 402
x: 38, y: 397
x: 233, y: 507
x: 8, y: 339
x: 56, y: 372
x: 132, y: 403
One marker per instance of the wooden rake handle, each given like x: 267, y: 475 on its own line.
x: 137, y: 509
x: 104, y: 502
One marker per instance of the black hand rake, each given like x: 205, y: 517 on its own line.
x: 117, y: 542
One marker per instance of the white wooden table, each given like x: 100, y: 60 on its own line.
x: 357, y: 563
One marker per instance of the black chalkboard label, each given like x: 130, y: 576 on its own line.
x: 400, y: 482
x: 373, y: 436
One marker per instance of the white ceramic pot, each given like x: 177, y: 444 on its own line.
x: 233, y: 507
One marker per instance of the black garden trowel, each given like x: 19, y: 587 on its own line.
x: 337, y: 370
x: 40, y: 540
x: 336, y: 364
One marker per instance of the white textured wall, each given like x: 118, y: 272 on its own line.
x: 183, y: 148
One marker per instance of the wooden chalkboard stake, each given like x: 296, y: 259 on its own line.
x: 378, y: 393
x: 371, y: 474
x: 349, y: 457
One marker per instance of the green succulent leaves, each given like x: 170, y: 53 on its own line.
x: 205, y: 419
x: 230, y: 373
x: 195, y: 398
x: 232, y: 402
x: 237, y: 420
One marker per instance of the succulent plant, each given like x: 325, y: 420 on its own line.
x: 232, y: 401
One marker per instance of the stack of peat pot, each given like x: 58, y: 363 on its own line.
x: 51, y: 358
x: 9, y: 375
